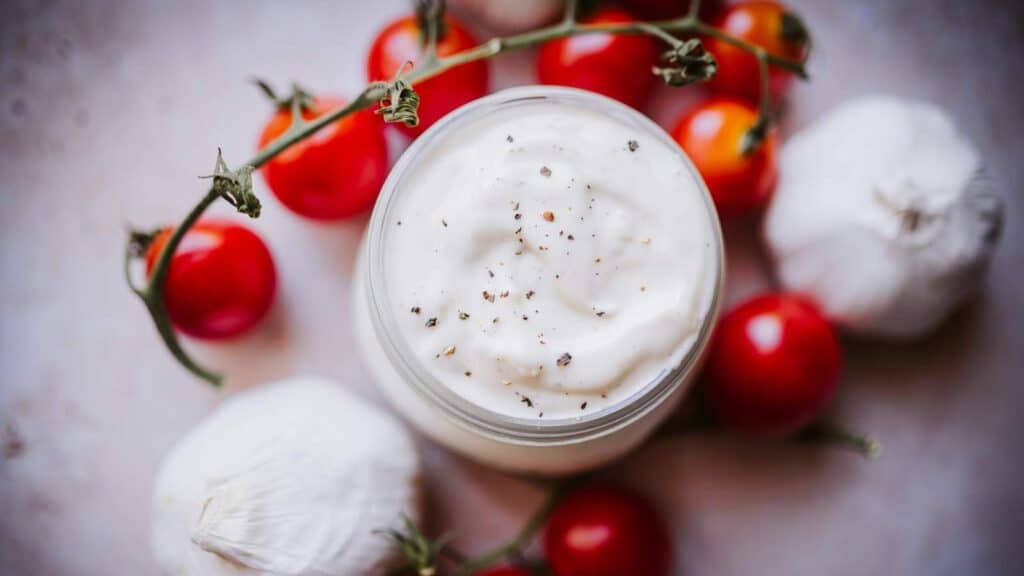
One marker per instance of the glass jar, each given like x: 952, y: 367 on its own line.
x: 534, y: 446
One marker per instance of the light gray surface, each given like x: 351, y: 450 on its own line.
x: 109, y: 111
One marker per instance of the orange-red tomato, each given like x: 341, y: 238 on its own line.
x: 221, y: 281
x: 772, y: 366
x: 335, y: 173
x: 618, y: 66
x: 768, y: 24
x: 402, y: 41
x: 712, y: 135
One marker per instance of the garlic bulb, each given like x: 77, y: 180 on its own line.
x: 288, y: 478
x: 883, y: 216
x: 517, y: 16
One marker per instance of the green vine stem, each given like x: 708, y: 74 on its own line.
x: 516, y: 545
x: 153, y: 293
x: 423, y: 554
x: 828, y: 434
x: 233, y: 185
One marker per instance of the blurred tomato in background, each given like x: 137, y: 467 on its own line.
x: 712, y: 134
x: 616, y: 66
x: 334, y: 174
x: 402, y: 41
x: 767, y: 24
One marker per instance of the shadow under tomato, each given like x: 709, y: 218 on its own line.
x: 890, y: 365
x: 262, y: 355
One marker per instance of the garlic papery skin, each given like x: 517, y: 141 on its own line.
x: 882, y: 214
x: 288, y: 478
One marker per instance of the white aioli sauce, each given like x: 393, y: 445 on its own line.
x: 547, y: 261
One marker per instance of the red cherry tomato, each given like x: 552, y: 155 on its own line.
x: 712, y: 135
x: 504, y: 571
x: 601, y: 530
x: 773, y: 364
x: 221, y: 280
x: 337, y: 172
x: 768, y: 24
x: 402, y: 41
x: 618, y: 66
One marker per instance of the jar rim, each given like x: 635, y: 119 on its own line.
x: 490, y: 423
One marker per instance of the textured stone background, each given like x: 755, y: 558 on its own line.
x: 109, y: 110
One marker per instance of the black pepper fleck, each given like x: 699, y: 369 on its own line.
x: 431, y: 322
x: 415, y: 310
x: 545, y: 171
x: 564, y: 359
x: 633, y: 145
x: 13, y: 445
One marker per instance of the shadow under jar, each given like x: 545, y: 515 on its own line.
x: 539, y: 280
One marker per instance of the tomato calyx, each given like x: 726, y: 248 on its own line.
x: 754, y: 137
x: 421, y: 552
x: 430, y: 21
x: 687, y: 62
x: 139, y: 241
x: 792, y: 29
x: 400, y: 101
x: 299, y: 95
x: 235, y: 186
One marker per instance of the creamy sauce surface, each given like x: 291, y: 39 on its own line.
x: 547, y: 260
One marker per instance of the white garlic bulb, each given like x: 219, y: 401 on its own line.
x: 882, y: 215
x: 288, y: 478
x: 507, y: 17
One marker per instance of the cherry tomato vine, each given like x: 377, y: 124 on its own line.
x: 685, y: 62
x: 621, y: 531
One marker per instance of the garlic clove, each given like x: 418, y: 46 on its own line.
x: 883, y: 215
x: 280, y: 480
